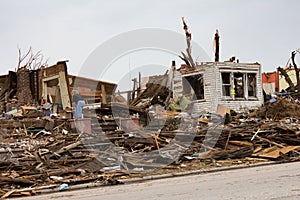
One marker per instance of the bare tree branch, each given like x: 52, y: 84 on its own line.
x: 22, y: 58
x: 31, y: 60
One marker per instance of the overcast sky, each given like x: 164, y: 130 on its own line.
x: 264, y: 31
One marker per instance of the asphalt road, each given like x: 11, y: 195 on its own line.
x: 281, y: 181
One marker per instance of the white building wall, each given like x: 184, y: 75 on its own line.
x: 240, y: 105
x: 210, y: 101
x: 213, y: 87
x: 177, y: 85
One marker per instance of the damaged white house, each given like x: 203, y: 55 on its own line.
x: 209, y: 84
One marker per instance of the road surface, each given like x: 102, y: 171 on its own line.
x: 281, y: 181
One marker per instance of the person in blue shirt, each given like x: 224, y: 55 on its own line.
x: 78, y: 102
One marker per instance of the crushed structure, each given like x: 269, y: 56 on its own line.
x: 199, y: 115
x: 233, y: 85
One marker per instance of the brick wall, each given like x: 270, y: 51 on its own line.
x: 23, y: 87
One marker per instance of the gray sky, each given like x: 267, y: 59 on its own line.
x: 265, y: 31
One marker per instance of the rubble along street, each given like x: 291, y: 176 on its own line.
x: 59, y: 130
x: 254, y: 183
x: 47, y: 152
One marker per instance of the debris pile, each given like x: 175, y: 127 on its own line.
x: 43, y: 154
x: 281, y: 108
x: 47, y: 152
x: 42, y: 147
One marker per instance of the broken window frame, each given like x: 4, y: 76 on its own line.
x: 252, y: 84
x: 225, y: 85
x: 194, y: 93
x: 239, y: 85
x: 245, y: 93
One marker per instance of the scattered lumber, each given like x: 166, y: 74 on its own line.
x: 37, y: 153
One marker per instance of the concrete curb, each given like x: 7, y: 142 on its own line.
x: 163, y: 176
x: 196, y: 172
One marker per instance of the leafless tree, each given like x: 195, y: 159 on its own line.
x: 187, y: 58
x: 291, y: 63
x: 31, y: 60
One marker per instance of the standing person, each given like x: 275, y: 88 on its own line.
x: 78, y: 102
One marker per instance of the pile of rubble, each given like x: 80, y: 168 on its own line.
x: 281, y: 108
x: 42, y: 147
x: 39, y: 153
x: 43, y: 153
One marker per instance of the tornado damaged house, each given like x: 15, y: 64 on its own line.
x: 196, y: 116
x: 58, y: 84
x: 233, y: 85
x: 51, y: 85
x: 208, y: 84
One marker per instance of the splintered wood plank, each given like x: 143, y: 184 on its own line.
x: 275, y: 152
x: 266, y: 150
x: 27, y: 190
x: 64, y: 90
x: 16, y: 180
x: 69, y: 147
x: 241, y: 143
x: 103, y: 94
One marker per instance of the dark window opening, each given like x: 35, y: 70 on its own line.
x: 193, y: 86
x: 239, y: 85
x: 226, y: 84
x: 251, y: 85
